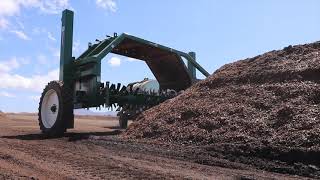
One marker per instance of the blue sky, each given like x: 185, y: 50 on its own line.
x: 219, y: 32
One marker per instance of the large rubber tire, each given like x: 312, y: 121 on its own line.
x: 55, y: 113
x: 123, y: 120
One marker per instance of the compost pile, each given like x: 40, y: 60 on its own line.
x: 2, y: 115
x: 270, y: 101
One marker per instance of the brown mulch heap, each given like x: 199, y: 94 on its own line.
x: 2, y: 114
x: 271, y: 100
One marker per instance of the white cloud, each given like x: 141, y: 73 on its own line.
x: 107, y: 4
x: 21, y: 25
x: 21, y: 34
x: 75, y: 47
x: 114, y: 62
x: 56, y: 53
x: 6, y: 66
x: 34, y: 83
x: 34, y: 98
x: 39, y: 30
x: 11, y: 80
x: 13, y: 7
x: 24, y: 61
x: 132, y: 59
x: 53, y: 6
x: 50, y: 36
x: 3, y: 23
x: 6, y: 94
x: 42, y: 59
x: 10, y: 8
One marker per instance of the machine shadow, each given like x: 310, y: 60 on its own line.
x: 72, y: 136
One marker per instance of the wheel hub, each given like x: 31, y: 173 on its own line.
x: 53, y: 108
x: 49, y: 108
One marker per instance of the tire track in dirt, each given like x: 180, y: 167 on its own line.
x: 25, y: 154
x: 71, y: 161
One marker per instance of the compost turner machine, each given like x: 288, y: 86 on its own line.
x: 79, y: 84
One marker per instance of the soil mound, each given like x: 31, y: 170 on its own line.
x: 265, y: 106
x: 1, y: 114
x: 273, y: 98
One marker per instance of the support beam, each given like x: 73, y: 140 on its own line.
x: 191, y: 68
x: 66, y: 59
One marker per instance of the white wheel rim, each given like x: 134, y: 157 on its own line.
x: 49, y: 108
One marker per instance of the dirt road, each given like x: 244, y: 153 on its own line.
x: 93, y: 150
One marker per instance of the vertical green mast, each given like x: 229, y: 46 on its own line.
x: 66, y: 59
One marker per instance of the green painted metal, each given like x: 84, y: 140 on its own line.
x: 194, y: 63
x: 66, y: 60
x: 179, y: 53
x: 84, y: 73
x: 100, y: 50
x: 191, y: 68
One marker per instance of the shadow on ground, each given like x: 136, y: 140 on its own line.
x: 72, y: 136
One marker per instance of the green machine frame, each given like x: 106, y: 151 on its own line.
x: 83, y: 74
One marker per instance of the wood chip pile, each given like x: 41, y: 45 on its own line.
x: 271, y: 100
